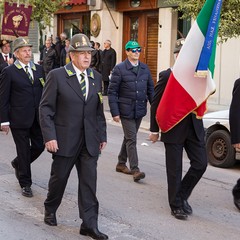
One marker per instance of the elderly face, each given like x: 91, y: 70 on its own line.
x: 81, y: 60
x: 24, y: 54
x: 6, y: 48
x: 48, y: 43
x: 107, y: 44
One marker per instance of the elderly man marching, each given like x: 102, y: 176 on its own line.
x: 74, y: 131
x: 21, y: 87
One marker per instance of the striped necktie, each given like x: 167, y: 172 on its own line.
x: 83, y: 84
x: 29, y: 75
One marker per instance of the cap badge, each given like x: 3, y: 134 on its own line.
x: 77, y: 44
x: 25, y: 42
x: 84, y: 41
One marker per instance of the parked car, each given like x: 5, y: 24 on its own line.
x: 220, y: 152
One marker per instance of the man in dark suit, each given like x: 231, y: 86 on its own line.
x: 20, y: 92
x: 74, y: 130
x: 234, y: 121
x: 6, y: 57
x: 108, y: 62
x: 48, y: 57
x: 188, y: 134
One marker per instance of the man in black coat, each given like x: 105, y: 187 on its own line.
x: 48, y: 57
x: 234, y: 121
x: 21, y: 87
x: 131, y: 87
x: 188, y: 134
x: 74, y: 131
x: 108, y: 62
x: 6, y: 57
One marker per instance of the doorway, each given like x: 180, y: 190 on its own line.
x: 143, y: 28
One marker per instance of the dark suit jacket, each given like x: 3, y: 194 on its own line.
x: 234, y: 113
x: 178, y: 133
x: 19, y: 98
x: 48, y: 58
x: 3, y: 63
x: 65, y: 116
x: 108, y: 62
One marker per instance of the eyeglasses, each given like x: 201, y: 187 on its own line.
x: 134, y: 50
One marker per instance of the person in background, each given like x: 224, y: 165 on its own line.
x: 74, y: 131
x: 188, y: 134
x: 59, y: 45
x: 234, y: 121
x: 48, y: 57
x: 65, y: 58
x: 95, y: 60
x: 97, y: 47
x: 21, y: 87
x: 131, y: 86
x: 108, y: 63
x: 6, y: 57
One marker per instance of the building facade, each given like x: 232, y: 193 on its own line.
x: 155, y: 26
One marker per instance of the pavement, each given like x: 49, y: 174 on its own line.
x: 22, y: 219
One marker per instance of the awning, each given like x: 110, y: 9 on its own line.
x: 77, y: 2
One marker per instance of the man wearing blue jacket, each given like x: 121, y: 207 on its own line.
x: 130, y: 88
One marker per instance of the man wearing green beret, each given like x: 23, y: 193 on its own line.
x: 130, y: 88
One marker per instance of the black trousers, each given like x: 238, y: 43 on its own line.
x: 105, y: 87
x: 180, y: 189
x: 86, y: 166
x: 29, y: 146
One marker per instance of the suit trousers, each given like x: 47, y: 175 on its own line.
x: 180, y: 189
x: 105, y: 87
x: 129, y: 144
x: 29, y: 146
x: 86, y: 166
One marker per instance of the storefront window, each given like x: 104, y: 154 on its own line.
x: 77, y: 25
x: 134, y: 28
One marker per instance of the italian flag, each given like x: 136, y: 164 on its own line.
x: 191, y: 81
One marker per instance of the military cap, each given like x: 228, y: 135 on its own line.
x: 178, y: 45
x: 20, y: 42
x: 80, y: 43
x: 131, y: 45
x: 4, y: 42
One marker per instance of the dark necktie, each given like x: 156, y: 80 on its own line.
x: 83, y: 84
x: 29, y: 75
x: 6, y: 58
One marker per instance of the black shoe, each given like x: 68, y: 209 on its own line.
x: 186, y: 207
x: 179, y: 214
x: 93, y: 233
x: 50, y: 219
x: 27, y: 191
x: 15, y: 166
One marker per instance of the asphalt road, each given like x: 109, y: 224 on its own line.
x: 128, y: 210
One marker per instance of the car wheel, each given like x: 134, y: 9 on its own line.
x: 220, y: 152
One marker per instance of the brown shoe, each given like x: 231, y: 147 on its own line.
x: 138, y: 176
x: 123, y: 169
